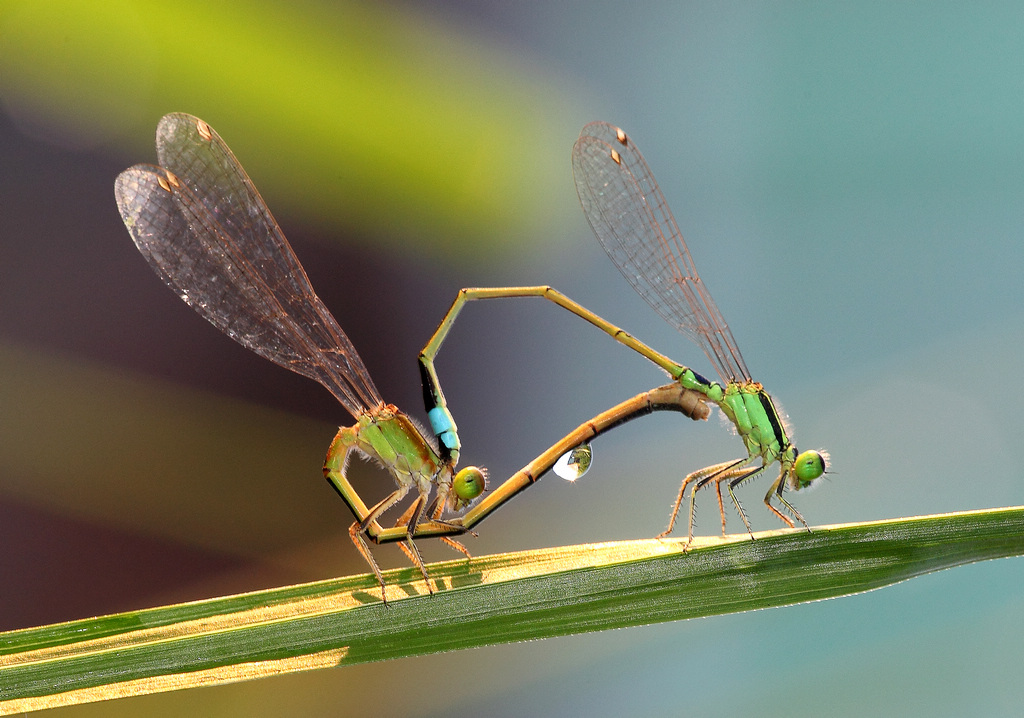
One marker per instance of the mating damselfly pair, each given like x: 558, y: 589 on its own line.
x: 202, y: 225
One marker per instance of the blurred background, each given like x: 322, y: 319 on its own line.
x: 849, y: 180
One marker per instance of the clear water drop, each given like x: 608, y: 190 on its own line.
x: 574, y: 463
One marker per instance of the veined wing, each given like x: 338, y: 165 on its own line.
x: 631, y: 218
x: 206, y: 231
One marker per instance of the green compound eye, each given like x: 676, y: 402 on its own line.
x: 469, y: 483
x: 809, y: 466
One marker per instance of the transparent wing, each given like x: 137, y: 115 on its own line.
x: 630, y: 217
x: 206, y: 231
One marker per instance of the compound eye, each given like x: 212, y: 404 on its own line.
x: 809, y: 466
x: 469, y: 483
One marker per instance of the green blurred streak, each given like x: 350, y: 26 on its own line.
x: 352, y: 115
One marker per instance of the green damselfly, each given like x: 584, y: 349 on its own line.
x: 630, y: 216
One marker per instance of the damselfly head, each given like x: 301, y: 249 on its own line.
x: 808, y: 468
x: 468, y: 484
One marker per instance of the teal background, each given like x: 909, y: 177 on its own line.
x: 848, y: 178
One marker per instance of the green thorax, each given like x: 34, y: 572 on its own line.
x: 753, y: 413
x: 749, y: 408
x: 389, y: 436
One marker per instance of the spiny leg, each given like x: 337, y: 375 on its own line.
x: 679, y: 501
x: 409, y: 546
x: 721, y: 506
x: 714, y: 474
x: 334, y: 471
x: 358, y: 529
x: 435, y: 510
x: 335, y: 464
x: 776, y: 488
x: 698, y: 475
x: 367, y: 524
x: 735, y: 478
x: 452, y: 543
x: 355, y: 534
x: 435, y: 515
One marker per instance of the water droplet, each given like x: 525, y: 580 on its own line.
x: 575, y: 463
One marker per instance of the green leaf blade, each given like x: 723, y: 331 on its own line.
x: 483, y: 601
